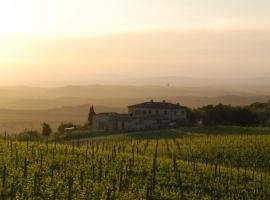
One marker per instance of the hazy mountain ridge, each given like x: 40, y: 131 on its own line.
x: 248, y: 84
x: 36, y: 98
x: 190, y: 101
x: 131, y: 91
x: 27, y: 107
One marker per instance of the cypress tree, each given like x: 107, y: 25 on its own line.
x: 90, y: 116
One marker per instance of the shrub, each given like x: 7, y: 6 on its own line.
x: 28, y: 135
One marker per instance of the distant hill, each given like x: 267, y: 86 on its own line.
x: 255, y: 84
x: 14, y: 121
x: 34, y: 98
x: 27, y: 107
x: 124, y: 91
x: 190, y: 101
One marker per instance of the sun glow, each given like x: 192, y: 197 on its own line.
x: 43, y: 37
x: 57, y: 17
x: 92, y: 17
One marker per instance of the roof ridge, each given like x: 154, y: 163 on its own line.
x: 163, y: 104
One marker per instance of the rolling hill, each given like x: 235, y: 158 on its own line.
x: 27, y: 107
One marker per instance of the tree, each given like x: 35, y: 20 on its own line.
x: 28, y: 134
x: 91, y: 115
x: 227, y: 115
x: 46, y: 129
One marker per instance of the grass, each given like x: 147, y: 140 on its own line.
x: 168, y: 133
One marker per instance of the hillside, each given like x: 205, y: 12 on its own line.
x: 124, y: 91
x: 34, y: 98
x: 16, y: 120
x: 190, y: 101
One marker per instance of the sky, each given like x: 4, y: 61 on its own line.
x: 62, y: 40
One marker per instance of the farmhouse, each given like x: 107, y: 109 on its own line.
x: 143, y: 116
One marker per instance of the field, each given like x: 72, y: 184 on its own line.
x: 190, y: 163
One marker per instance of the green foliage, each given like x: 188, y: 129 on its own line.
x: 192, y: 116
x: 226, y: 115
x: 28, y: 135
x: 46, y: 129
x: 254, y: 114
x: 263, y: 112
x: 84, y: 134
x: 191, y: 165
x: 90, y: 115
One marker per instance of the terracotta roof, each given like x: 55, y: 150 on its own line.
x: 157, y: 105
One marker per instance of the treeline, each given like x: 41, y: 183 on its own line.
x: 64, y: 130
x: 257, y: 114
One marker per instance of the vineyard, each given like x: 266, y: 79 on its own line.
x: 138, y: 166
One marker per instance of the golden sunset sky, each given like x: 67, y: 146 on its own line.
x: 52, y: 40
